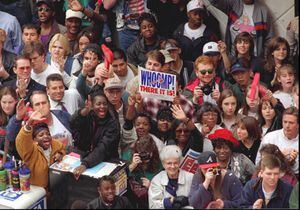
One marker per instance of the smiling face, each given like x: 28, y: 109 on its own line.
x: 205, y: 72
x: 182, y: 134
x: 280, y: 53
x: 56, y: 90
x: 270, y: 176
x: 100, y: 106
x: 43, y: 138
x: 171, y: 165
x: 142, y: 126
x: 107, y: 191
x: 8, y: 104
x: 243, y: 46
x: 223, y: 152
x: 73, y: 25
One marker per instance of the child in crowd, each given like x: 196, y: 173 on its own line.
x: 285, y: 79
x: 107, y: 196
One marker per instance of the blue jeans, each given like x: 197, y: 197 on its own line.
x: 127, y: 37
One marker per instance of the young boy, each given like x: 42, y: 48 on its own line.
x: 107, y: 196
x: 267, y: 191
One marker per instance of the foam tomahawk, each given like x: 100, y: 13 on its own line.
x: 99, y: 2
x: 254, y: 86
x: 108, y: 56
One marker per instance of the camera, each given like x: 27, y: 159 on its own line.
x: 144, y: 156
x: 215, y: 170
x: 207, y: 89
x: 180, y: 201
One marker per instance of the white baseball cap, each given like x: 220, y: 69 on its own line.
x: 211, y: 48
x: 194, y: 4
x: 70, y: 14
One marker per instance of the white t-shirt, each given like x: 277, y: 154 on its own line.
x: 60, y: 132
x: 41, y: 77
x: 286, y: 99
x: 193, y: 33
x: 127, y: 78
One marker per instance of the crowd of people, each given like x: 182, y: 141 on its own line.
x: 236, y: 102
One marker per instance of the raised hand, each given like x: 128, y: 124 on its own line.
x: 75, y: 5
x: 21, y: 109
x: 131, y: 100
x: 35, y: 116
x: 222, y: 46
x: 178, y: 113
x: 21, y: 88
x: 205, y: 129
x: 197, y: 94
x: 87, y: 106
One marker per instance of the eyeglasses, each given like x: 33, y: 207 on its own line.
x: 212, y: 114
x: 209, y: 71
x: 45, y: 9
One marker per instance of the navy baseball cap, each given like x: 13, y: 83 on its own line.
x: 238, y: 67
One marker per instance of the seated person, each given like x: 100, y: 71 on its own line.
x: 107, y: 196
x: 223, y: 143
x: 170, y: 188
x: 96, y: 132
x: 267, y: 191
x: 213, y: 187
x: 38, y: 149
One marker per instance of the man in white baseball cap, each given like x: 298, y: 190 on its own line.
x: 73, y: 24
x: 194, y: 34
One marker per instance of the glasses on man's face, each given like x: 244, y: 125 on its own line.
x: 209, y: 71
x: 44, y: 9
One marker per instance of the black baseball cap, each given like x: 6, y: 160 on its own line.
x: 48, y: 2
x: 208, y: 159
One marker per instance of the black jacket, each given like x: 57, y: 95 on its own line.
x: 192, y: 49
x: 120, y: 202
x: 97, y: 138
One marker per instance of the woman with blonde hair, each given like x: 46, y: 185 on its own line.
x: 59, y: 56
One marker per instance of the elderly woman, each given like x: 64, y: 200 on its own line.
x: 223, y: 143
x: 170, y: 188
x: 209, y: 117
x: 213, y: 187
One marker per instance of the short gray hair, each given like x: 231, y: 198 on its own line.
x: 170, y: 151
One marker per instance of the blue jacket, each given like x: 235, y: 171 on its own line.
x: 14, y: 125
x: 231, y: 189
x: 253, y: 191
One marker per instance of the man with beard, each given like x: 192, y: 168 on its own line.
x: 73, y: 24
x: 48, y: 24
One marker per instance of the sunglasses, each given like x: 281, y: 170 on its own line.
x: 209, y: 71
x: 182, y: 130
x: 45, y: 9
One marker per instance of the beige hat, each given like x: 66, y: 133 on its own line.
x: 113, y: 83
x: 167, y: 55
x: 71, y: 14
x: 2, y: 35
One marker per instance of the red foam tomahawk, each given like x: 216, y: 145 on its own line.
x: 99, y: 2
x: 254, y: 85
x: 108, y: 56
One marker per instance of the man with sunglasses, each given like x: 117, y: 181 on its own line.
x: 48, y: 24
x: 207, y: 86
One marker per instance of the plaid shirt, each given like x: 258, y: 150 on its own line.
x: 151, y: 106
